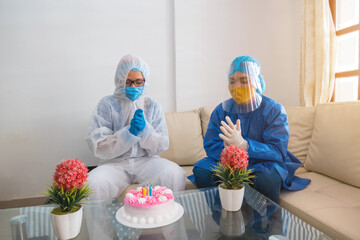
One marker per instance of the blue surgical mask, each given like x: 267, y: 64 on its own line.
x: 133, y: 93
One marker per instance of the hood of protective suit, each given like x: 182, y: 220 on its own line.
x: 127, y: 63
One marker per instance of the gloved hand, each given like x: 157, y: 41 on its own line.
x: 137, y: 124
x: 232, y: 134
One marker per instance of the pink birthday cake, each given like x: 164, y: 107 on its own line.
x: 149, y: 205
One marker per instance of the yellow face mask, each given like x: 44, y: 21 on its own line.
x: 242, y: 94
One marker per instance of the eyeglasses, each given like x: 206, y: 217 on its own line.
x: 137, y: 82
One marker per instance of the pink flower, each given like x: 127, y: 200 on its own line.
x: 70, y: 173
x: 235, y: 158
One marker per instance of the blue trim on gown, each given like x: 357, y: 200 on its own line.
x: 267, y: 131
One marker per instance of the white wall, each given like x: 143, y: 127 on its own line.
x: 211, y: 33
x: 58, y: 58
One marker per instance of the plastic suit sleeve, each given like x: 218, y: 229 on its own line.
x: 103, y: 141
x: 213, y: 144
x: 154, y: 138
x: 275, y: 138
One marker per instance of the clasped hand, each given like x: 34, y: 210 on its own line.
x: 137, y: 124
x: 232, y: 134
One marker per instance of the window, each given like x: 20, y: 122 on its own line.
x: 347, y: 25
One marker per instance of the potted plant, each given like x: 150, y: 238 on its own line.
x: 233, y: 174
x: 68, y: 190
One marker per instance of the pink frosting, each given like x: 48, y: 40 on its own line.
x: 150, y: 200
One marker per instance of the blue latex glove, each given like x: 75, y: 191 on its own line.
x: 137, y: 124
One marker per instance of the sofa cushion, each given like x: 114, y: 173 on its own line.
x: 205, y: 113
x: 185, y: 138
x: 334, y: 148
x: 329, y: 205
x: 301, y: 122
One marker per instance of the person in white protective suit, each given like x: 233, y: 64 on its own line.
x: 128, y: 131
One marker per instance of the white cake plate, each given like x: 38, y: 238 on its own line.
x: 125, y: 222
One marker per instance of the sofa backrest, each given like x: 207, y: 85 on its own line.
x: 205, y: 113
x: 185, y: 138
x: 187, y: 131
x: 301, y: 123
x: 335, y: 143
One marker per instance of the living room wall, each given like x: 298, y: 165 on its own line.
x: 58, y: 58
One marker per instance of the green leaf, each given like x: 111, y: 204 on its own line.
x: 67, y: 200
x: 233, y: 179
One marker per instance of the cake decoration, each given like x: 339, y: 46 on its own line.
x: 129, y: 195
x: 149, y: 196
x: 148, y: 205
x: 167, y: 191
x: 162, y: 198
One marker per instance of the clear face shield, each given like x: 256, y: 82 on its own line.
x: 245, y: 86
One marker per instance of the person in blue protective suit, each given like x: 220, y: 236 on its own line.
x: 254, y: 122
x: 127, y: 131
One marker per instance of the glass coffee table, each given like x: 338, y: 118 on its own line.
x: 204, y: 218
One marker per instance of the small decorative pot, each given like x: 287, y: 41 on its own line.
x: 231, y: 199
x: 68, y: 225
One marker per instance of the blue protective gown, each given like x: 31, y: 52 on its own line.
x: 267, y: 133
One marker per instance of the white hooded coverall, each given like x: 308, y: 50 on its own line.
x: 126, y: 158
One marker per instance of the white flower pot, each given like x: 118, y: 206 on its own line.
x: 231, y: 200
x: 67, y: 226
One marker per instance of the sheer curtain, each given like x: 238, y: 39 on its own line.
x: 318, y: 53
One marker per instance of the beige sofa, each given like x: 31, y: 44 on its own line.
x: 325, y: 138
